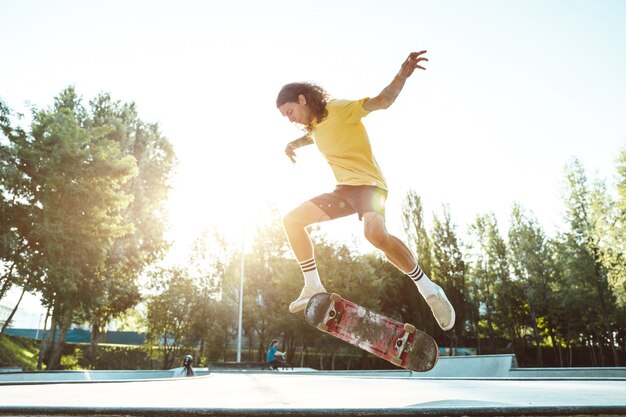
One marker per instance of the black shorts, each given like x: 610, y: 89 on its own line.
x: 350, y: 199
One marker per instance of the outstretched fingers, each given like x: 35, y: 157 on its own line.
x: 413, y: 62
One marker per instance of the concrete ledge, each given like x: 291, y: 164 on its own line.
x: 568, y: 373
x: 81, y: 376
x: 487, y: 366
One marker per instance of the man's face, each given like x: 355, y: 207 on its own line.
x: 297, y: 112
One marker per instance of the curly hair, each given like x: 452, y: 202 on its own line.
x: 316, y: 98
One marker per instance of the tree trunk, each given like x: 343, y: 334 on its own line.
x: 7, y: 281
x: 45, y: 337
x: 8, y: 321
x: 165, y: 352
x: 5, y: 287
x: 571, y: 354
x: 611, y: 341
x: 93, y: 346
x: 477, y: 335
x: 592, y: 353
x: 533, y: 317
x: 225, y: 345
x: 52, y: 335
x: 558, y: 351
x: 601, y: 349
x: 304, y: 352
x: 250, y: 356
x: 201, y: 353
x: 63, y: 323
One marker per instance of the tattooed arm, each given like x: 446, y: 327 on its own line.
x: 389, y: 94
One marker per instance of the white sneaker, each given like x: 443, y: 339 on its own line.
x: 307, y: 292
x: 442, y: 309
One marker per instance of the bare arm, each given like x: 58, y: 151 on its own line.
x: 389, y: 94
x: 295, y: 144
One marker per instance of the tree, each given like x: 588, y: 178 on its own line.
x: 449, y: 269
x: 531, y: 261
x: 215, y: 312
x: 501, y: 308
x: 14, y: 216
x: 615, y: 259
x: 144, y: 242
x: 415, y: 228
x: 84, y: 219
x: 71, y: 179
x: 400, y: 296
x: 170, y: 314
x: 587, y: 209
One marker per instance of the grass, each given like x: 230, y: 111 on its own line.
x: 18, y: 352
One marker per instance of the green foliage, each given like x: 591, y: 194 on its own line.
x: 533, y: 270
x: 449, y: 269
x: 82, y: 207
x: 614, y: 256
x: 18, y: 352
x: 170, y: 313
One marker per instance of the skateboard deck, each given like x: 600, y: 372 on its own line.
x: 399, y: 343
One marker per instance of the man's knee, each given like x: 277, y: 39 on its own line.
x: 376, y: 236
x: 303, y: 216
x: 292, y: 221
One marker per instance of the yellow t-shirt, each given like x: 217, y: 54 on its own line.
x: 343, y: 140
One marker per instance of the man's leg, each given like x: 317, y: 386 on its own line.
x: 295, y: 224
x: 401, y: 256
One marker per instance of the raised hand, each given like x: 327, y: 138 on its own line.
x: 412, y: 62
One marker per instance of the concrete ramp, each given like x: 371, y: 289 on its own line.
x: 488, y: 366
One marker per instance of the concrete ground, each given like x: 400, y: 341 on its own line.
x: 255, y: 393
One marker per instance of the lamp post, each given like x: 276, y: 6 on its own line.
x: 239, y: 327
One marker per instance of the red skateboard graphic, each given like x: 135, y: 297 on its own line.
x: 401, y: 344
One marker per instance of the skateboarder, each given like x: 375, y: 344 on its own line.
x: 336, y: 128
x: 272, y: 353
x: 186, y: 369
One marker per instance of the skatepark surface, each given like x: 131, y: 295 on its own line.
x: 492, y: 390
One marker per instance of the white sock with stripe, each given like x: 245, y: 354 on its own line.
x: 311, y: 276
x: 424, y: 285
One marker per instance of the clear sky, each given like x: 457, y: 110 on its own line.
x: 513, y: 91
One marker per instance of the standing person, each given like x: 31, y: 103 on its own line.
x: 335, y: 127
x: 272, y: 354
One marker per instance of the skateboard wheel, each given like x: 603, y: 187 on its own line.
x: 322, y: 327
x: 396, y: 361
x: 335, y: 297
x: 409, y: 328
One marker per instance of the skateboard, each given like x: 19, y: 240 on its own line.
x: 399, y: 343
